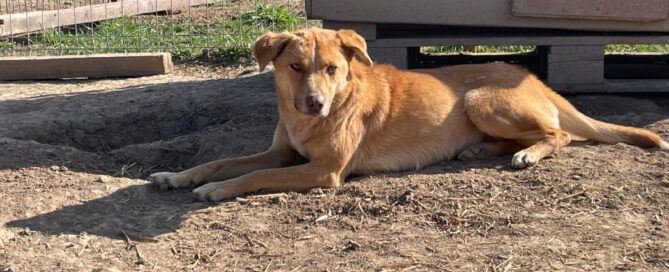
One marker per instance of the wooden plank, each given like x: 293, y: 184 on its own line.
x: 307, y: 7
x: 85, y: 66
x: 637, y: 71
x: 515, y: 40
x: 490, y: 13
x: 366, y: 30
x: 628, y: 10
x: 616, y: 86
x: 26, y: 22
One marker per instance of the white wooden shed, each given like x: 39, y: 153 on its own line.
x: 570, y: 36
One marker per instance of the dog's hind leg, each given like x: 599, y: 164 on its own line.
x: 551, y: 141
x: 486, y: 150
x: 524, y: 115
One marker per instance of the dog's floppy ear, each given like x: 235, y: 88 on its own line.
x: 269, y: 46
x: 356, y: 43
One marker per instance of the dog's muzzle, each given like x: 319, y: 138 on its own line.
x: 314, y: 103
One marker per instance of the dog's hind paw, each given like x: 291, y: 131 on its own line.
x: 166, y: 180
x: 473, y: 153
x: 522, y: 159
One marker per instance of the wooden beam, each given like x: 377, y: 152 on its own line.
x: 617, y: 86
x: 518, y: 40
x: 307, y: 7
x: 366, y: 30
x: 85, y: 66
x: 26, y: 22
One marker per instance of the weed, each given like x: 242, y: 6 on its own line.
x: 270, y: 16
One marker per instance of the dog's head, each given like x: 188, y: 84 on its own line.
x: 311, y: 65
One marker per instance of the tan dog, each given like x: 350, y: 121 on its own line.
x: 341, y: 115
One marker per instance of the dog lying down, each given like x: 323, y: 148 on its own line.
x: 341, y: 115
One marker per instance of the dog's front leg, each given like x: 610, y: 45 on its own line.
x: 279, y: 155
x: 295, y: 178
x: 328, y: 166
x: 225, y: 169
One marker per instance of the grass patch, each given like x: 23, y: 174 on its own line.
x: 637, y: 48
x: 268, y: 16
x: 227, y: 39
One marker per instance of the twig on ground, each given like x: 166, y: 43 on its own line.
x: 569, y: 196
x: 268, y: 265
x: 131, y: 245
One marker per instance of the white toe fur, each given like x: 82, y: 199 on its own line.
x: 664, y: 145
x: 160, y: 177
x: 522, y: 160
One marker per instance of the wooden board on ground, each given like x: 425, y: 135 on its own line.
x: 85, y: 66
x: 26, y: 22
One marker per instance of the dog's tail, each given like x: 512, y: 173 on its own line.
x: 582, y: 127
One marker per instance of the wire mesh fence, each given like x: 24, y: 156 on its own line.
x: 189, y: 29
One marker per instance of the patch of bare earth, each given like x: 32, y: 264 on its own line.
x: 73, y: 155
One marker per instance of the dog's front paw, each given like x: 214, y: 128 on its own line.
x: 523, y: 159
x: 216, y: 191
x: 166, y: 180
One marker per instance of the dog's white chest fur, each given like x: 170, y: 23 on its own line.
x: 295, y: 143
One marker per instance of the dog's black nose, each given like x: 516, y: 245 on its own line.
x: 315, y: 103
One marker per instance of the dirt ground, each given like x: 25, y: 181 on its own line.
x: 74, y: 155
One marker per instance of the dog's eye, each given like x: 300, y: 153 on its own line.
x: 331, y: 69
x: 295, y: 67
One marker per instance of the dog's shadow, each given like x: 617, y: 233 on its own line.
x: 136, y: 211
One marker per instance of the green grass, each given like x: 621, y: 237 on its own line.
x: 637, y: 48
x: 268, y: 16
x: 223, y: 39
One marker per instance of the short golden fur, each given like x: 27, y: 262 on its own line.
x: 341, y: 115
